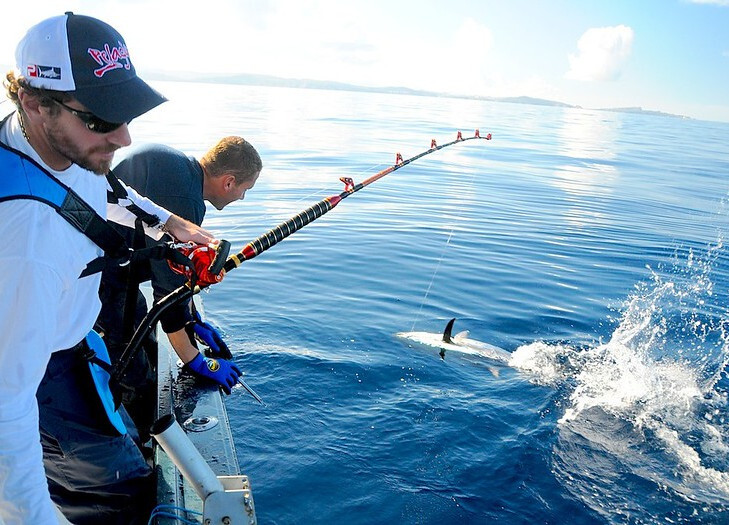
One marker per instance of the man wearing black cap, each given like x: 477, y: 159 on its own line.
x: 75, y: 91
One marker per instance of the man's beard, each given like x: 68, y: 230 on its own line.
x: 60, y: 142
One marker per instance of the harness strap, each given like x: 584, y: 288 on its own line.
x: 86, y: 353
x: 119, y: 194
x: 161, y: 251
x: 94, y: 351
x: 80, y: 214
x: 24, y: 178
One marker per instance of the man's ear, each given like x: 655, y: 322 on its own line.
x: 229, y: 181
x: 30, y: 104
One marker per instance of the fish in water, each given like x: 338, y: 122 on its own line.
x: 457, y: 343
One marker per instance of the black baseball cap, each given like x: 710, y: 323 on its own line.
x: 88, y: 59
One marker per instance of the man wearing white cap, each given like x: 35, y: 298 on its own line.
x: 75, y: 91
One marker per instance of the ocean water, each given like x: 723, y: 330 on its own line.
x: 590, y: 245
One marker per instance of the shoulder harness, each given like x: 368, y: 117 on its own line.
x: 23, y: 178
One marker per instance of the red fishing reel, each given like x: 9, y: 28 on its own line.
x: 205, y: 261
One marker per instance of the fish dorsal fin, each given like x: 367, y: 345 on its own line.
x: 447, y: 332
x: 460, y: 336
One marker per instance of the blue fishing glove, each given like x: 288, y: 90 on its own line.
x: 210, y: 337
x: 221, y: 371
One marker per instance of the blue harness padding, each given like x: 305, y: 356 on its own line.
x: 23, y: 178
x: 100, y: 367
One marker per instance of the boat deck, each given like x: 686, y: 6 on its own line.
x: 200, y: 410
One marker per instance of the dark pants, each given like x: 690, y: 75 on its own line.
x: 94, y: 474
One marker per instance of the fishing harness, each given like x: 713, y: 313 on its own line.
x: 24, y: 178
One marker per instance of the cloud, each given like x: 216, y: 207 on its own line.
x: 601, y: 54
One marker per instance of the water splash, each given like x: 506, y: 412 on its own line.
x: 647, y: 410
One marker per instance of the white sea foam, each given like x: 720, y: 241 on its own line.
x: 543, y: 363
x: 658, y: 373
x: 647, y: 397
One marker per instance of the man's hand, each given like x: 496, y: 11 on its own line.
x: 221, y: 371
x: 208, y: 335
x: 184, y: 231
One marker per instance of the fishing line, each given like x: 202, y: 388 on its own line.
x: 440, y: 260
x: 432, y: 279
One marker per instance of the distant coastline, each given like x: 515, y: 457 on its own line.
x: 301, y: 83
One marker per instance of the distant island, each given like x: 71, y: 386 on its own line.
x: 301, y: 83
x: 644, y: 112
x: 268, y: 80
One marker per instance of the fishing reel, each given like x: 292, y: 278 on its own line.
x: 202, y: 264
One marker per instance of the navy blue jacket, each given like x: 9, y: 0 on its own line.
x: 175, y: 181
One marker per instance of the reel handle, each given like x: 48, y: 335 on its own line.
x: 221, y: 255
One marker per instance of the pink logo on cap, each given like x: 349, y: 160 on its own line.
x: 110, y: 58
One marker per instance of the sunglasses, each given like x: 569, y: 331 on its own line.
x: 93, y: 123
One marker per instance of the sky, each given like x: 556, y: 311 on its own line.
x: 661, y: 55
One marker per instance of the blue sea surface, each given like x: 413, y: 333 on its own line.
x: 588, y: 244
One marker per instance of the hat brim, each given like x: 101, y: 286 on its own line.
x: 120, y: 102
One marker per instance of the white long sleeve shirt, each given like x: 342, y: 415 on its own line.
x: 44, y: 307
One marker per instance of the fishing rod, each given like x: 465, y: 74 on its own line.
x: 283, y: 230
x: 255, y: 248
